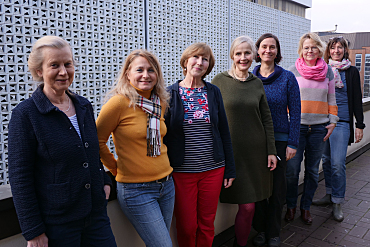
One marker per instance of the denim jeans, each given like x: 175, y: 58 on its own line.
x: 149, y: 208
x: 311, y: 144
x: 93, y: 230
x: 334, y: 162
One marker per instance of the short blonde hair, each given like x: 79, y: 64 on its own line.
x: 36, y: 57
x: 235, y: 43
x: 197, y: 49
x: 122, y: 84
x: 321, y: 45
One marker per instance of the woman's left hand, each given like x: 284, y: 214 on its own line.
x: 330, y: 129
x: 359, y: 133
x: 290, y: 153
x: 107, y: 191
x: 272, y: 161
x: 228, y: 182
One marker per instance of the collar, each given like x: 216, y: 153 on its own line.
x: 176, y: 86
x: 271, y: 78
x: 44, y: 105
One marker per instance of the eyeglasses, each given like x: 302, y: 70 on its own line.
x: 313, y: 49
x: 339, y: 37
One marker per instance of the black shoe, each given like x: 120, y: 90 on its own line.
x: 274, y: 242
x: 260, y: 239
x: 236, y: 244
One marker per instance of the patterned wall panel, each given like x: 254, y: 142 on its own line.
x: 252, y: 19
x: 174, y: 25
x: 103, y: 32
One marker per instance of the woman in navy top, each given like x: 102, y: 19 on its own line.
x: 282, y: 92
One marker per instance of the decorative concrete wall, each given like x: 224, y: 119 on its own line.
x: 103, y: 32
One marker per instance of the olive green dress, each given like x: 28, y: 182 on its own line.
x: 252, y: 137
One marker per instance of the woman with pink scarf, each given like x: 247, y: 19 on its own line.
x: 349, y: 99
x: 318, y: 120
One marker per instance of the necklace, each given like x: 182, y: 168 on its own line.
x: 69, y: 104
x: 239, y: 78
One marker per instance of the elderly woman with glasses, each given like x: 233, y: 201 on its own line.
x: 318, y: 120
x: 349, y: 101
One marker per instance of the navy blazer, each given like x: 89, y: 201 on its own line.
x: 175, y: 138
x: 55, y: 176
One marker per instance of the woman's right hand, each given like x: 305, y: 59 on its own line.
x: 39, y: 241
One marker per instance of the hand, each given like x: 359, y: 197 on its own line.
x: 330, y: 129
x: 228, y: 182
x: 272, y: 161
x: 39, y: 241
x: 107, y: 191
x: 290, y: 153
x: 359, y: 133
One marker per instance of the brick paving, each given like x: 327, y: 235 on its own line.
x: 325, y: 231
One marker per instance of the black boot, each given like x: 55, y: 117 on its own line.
x: 237, y: 245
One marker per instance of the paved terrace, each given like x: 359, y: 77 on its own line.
x: 325, y: 232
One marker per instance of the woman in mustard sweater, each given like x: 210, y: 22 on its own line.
x: 134, y: 116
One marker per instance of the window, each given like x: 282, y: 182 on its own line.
x: 366, y: 75
x: 358, y: 61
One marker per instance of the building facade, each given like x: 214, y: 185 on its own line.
x: 103, y: 32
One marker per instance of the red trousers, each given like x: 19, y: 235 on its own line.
x: 196, y: 203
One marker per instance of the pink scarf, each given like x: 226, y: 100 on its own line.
x: 316, y: 73
x: 335, y: 66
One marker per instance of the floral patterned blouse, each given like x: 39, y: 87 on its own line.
x: 197, y: 131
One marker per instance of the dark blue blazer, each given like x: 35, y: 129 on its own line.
x: 175, y: 138
x: 55, y: 176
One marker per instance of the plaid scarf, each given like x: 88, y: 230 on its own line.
x: 153, y: 109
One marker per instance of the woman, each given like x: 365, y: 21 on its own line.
x: 282, y: 92
x: 252, y: 135
x: 318, y: 119
x: 135, y: 116
x: 199, y: 147
x: 349, y: 100
x: 60, y: 189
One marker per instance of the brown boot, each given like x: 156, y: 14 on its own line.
x: 289, y: 216
x: 306, y: 216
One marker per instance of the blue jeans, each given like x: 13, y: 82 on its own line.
x: 93, y: 230
x: 311, y: 143
x: 334, y: 162
x: 149, y: 208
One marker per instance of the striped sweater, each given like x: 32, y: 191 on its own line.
x: 318, y: 103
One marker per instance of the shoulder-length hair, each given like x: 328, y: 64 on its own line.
x: 315, y: 38
x: 36, y: 57
x: 235, y: 43
x: 266, y: 36
x: 197, y: 49
x: 122, y: 84
x: 332, y: 42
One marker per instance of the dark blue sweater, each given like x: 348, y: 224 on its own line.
x: 175, y: 138
x: 55, y: 176
x: 282, y: 92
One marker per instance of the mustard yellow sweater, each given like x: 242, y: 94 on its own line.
x: 128, y: 127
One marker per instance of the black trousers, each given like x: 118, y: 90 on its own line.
x: 267, y: 216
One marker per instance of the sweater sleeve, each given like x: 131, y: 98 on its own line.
x: 294, y: 106
x: 332, y: 104
x: 357, y: 99
x: 267, y: 123
x: 22, y: 161
x: 106, y: 123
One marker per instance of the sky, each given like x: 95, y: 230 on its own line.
x: 350, y: 15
